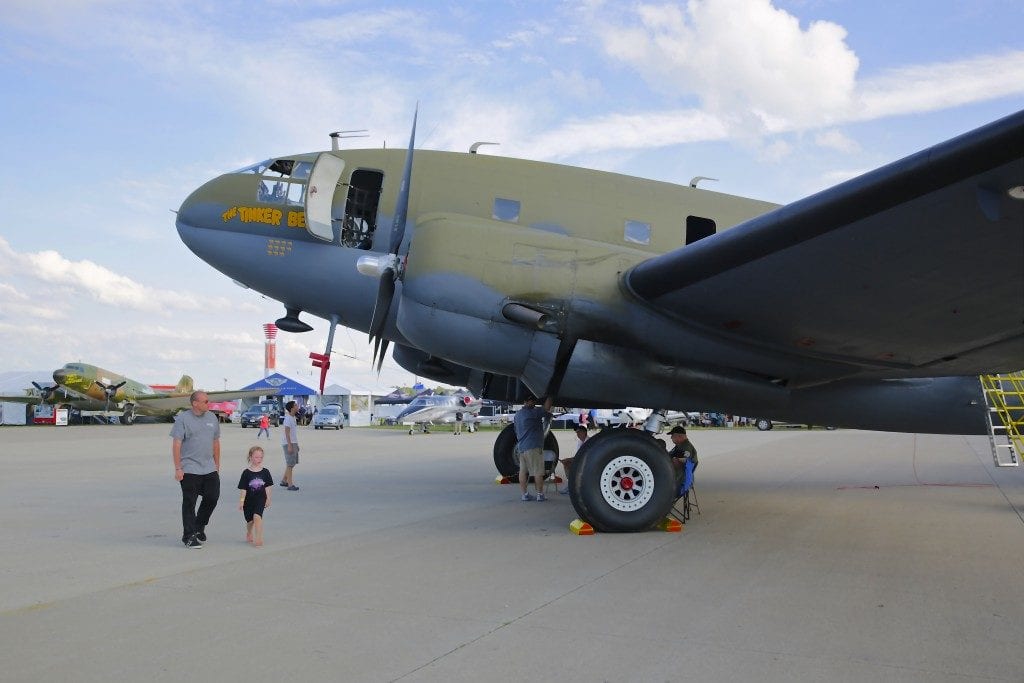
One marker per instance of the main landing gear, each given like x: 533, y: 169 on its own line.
x: 621, y: 479
x: 128, y: 417
x: 506, y: 459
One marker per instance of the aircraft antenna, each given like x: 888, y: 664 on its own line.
x: 697, y: 178
x: 477, y: 145
x: 342, y: 134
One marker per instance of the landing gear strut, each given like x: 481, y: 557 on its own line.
x: 506, y: 460
x: 128, y: 417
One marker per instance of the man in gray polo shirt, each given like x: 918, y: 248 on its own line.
x: 196, y: 452
x: 531, y: 425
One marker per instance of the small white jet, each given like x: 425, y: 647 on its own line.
x: 425, y: 411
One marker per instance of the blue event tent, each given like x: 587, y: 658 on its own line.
x: 279, y: 385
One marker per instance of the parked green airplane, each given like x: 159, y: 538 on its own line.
x: 874, y: 304
x: 88, y: 387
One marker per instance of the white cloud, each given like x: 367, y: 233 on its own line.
x: 749, y: 63
x: 624, y: 131
x: 929, y: 87
x: 837, y: 140
x: 577, y: 84
x: 96, y: 281
x: 757, y: 73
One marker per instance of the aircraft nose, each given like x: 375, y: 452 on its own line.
x: 203, y: 208
x: 59, y: 376
x: 205, y: 215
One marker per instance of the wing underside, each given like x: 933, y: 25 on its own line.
x: 916, y: 269
x: 166, y: 403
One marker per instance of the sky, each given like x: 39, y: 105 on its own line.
x: 112, y: 111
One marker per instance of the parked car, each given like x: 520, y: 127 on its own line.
x: 251, y: 416
x: 329, y: 417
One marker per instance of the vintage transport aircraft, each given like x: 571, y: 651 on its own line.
x: 88, y: 387
x: 874, y: 304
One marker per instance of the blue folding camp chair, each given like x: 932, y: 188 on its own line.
x: 687, y: 495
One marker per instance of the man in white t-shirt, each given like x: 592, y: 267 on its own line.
x: 290, y: 445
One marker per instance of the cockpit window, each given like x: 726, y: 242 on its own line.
x: 274, y: 188
x: 281, y: 166
x: 255, y: 168
x: 273, y: 191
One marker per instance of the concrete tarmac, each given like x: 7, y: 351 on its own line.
x: 817, y: 556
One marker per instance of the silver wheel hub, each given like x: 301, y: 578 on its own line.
x: 627, y: 483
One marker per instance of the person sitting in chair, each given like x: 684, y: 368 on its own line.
x: 682, y: 450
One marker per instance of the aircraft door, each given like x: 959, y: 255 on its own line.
x: 323, y: 181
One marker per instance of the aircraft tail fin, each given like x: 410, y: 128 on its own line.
x: 185, y: 385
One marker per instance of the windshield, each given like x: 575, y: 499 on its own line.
x: 329, y: 411
x: 424, y: 401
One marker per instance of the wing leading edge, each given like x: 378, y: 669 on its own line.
x: 915, y: 269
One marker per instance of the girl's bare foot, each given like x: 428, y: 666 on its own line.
x: 248, y: 538
x: 258, y: 544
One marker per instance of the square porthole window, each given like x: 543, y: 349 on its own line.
x: 505, y: 210
x: 638, y: 232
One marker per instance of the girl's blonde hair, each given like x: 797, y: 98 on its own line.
x: 253, y: 450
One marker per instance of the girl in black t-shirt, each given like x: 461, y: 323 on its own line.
x: 254, y: 485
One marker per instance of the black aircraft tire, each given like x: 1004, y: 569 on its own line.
x: 550, y: 444
x: 505, y: 459
x: 763, y: 424
x: 576, y: 485
x: 623, y: 482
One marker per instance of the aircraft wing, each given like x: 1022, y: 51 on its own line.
x: 62, y: 399
x: 165, y: 403
x: 232, y: 395
x: 23, y: 398
x: 915, y: 269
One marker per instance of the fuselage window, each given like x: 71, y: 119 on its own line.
x: 698, y: 228
x: 505, y: 210
x: 637, y: 232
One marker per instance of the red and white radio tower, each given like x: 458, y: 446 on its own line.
x: 270, y: 350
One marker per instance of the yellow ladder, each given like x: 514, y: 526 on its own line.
x: 1004, y: 398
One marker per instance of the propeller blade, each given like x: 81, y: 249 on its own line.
x: 386, y: 288
x: 402, y: 204
x: 385, y: 292
x: 383, y: 352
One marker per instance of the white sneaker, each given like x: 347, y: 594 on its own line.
x: 526, y: 496
x: 541, y: 498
